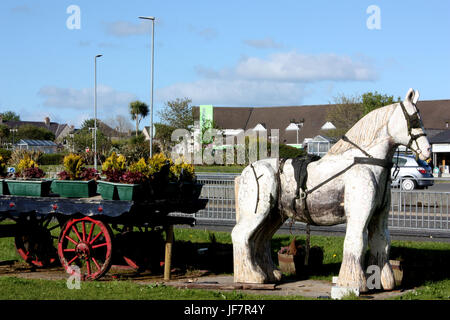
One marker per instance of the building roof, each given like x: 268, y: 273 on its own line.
x: 54, y: 127
x: 443, y: 137
x: 313, y: 118
x: 37, y: 143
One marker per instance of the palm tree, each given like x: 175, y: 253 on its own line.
x: 138, y: 111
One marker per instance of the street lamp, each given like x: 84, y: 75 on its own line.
x: 73, y: 141
x: 95, y: 110
x: 152, y: 64
x: 13, y: 131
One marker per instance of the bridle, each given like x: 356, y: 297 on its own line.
x: 413, y: 122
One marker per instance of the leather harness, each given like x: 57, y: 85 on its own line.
x: 413, y: 122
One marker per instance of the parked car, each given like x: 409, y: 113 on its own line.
x: 410, y: 173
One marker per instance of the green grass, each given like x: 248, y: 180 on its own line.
x: 26, y: 289
x: 425, y: 271
x: 220, y: 169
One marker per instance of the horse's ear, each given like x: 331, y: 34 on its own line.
x: 410, y: 95
x: 416, y: 96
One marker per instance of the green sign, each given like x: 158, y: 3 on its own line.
x: 206, y: 116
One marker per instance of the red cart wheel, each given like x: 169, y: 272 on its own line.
x: 85, y: 243
x: 34, y: 243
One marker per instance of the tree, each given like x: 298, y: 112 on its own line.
x: 85, y: 138
x: 120, y: 123
x: 29, y: 131
x: 4, y: 133
x: 138, y: 111
x: 10, y: 116
x: 349, y: 109
x: 346, y: 112
x: 375, y: 100
x: 164, y: 134
x: 178, y: 113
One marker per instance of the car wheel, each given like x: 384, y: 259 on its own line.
x: 408, y: 185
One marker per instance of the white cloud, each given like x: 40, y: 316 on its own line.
x: 21, y: 9
x: 207, y: 33
x: 237, y: 92
x: 126, y: 28
x: 83, y: 99
x: 266, y: 43
x: 279, y: 79
x: 295, y: 67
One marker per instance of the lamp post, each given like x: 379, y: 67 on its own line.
x: 13, y: 131
x: 73, y: 141
x: 95, y: 110
x: 152, y: 19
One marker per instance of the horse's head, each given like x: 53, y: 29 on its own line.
x: 409, y: 129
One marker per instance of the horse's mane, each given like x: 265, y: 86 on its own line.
x: 365, y: 131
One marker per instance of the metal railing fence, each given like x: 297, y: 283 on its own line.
x: 420, y: 209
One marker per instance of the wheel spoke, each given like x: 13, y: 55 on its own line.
x: 88, y: 265
x: 73, y: 259
x: 90, y: 232
x: 96, y: 237
x: 76, y: 232
x: 100, y: 245
x: 69, y: 250
x: 71, y: 240
x: 54, y: 227
x: 96, y: 263
x: 84, y: 231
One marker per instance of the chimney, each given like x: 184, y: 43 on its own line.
x: 47, y: 121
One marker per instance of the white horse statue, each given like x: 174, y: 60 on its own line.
x: 358, y: 194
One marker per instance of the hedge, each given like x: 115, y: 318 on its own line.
x: 51, y: 159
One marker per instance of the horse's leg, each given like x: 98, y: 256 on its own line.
x: 358, y: 202
x: 380, y: 243
x: 258, y: 221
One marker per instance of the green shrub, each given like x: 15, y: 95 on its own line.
x: 286, y: 152
x: 5, y: 154
x: 52, y: 159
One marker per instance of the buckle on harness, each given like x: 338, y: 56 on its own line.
x: 302, y: 194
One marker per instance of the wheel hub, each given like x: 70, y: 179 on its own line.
x: 83, y: 250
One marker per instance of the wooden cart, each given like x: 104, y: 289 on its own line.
x: 94, y: 233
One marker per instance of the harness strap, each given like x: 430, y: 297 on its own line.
x: 344, y: 137
x: 357, y: 160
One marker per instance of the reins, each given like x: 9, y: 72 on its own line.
x: 369, y: 160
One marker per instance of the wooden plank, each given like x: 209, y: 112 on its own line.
x: 223, y: 286
x: 168, y: 257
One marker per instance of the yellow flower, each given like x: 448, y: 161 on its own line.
x: 140, y: 166
x: 26, y: 163
x: 73, y: 164
x: 115, y: 162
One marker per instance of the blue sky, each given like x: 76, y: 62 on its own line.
x: 225, y: 53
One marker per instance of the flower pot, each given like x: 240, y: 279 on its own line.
x: 121, y: 191
x: 292, y: 264
x: 33, y: 188
x: 74, y: 188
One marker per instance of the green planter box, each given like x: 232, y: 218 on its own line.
x: 185, y: 190
x: 74, y: 188
x: 3, y: 187
x: 121, y: 191
x: 33, y: 188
